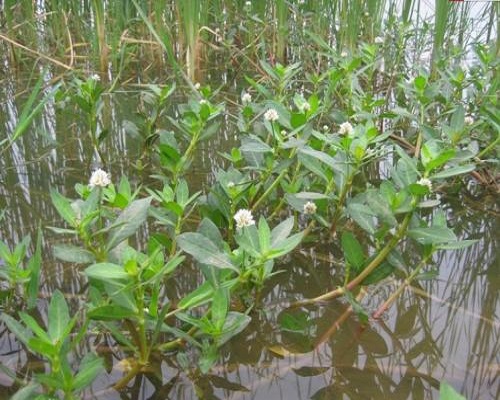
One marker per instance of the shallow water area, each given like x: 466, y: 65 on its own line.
x: 442, y: 329
x: 445, y: 325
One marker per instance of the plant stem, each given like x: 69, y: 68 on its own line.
x: 392, y: 298
x: 368, y: 269
x: 489, y: 147
x: 340, y: 204
x: 274, y: 184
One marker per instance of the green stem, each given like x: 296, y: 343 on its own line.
x: 274, y: 184
x: 489, y: 147
x: 369, y: 268
x: 340, y: 204
x: 282, y: 201
x: 392, y: 298
x: 269, y: 189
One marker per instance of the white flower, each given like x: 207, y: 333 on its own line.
x: 99, y: 178
x: 243, y: 218
x: 325, y: 128
x: 468, y: 120
x: 271, y: 115
x: 343, y: 54
x: 345, y: 128
x: 425, y: 182
x: 379, y: 40
x: 95, y: 77
x: 230, y: 185
x: 305, y: 106
x: 197, y: 85
x: 203, y: 101
x: 248, y: 4
x: 246, y: 98
x: 310, y: 208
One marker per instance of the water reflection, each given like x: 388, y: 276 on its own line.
x: 442, y: 329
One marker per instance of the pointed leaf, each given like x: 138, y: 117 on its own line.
x: 63, y: 207
x: 107, y: 272
x: 58, y: 316
x: 432, y: 235
x: 203, y: 250
x: 353, y: 252
x: 281, y: 232
x: 74, y: 254
x: 128, y: 222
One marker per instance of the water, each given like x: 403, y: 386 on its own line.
x: 442, y: 329
x: 446, y: 328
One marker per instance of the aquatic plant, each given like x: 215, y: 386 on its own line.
x: 349, y: 141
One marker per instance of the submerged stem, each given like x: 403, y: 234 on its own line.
x: 369, y: 268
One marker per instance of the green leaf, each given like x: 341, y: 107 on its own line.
x: 313, y: 165
x: 23, y: 334
x: 357, y: 307
x: 294, y: 321
x: 204, y: 251
x: 353, y: 252
x: 438, y: 161
x: 90, y: 367
x: 220, y: 305
x: 200, y: 295
x: 35, y: 328
x: 128, y: 222
x: 281, y: 232
x: 235, y: 322
x: 254, y: 145
x: 248, y: 240
x: 264, y: 235
x: 74, y: 254
x: 34, y: 268
x: 379, y: 273
x: 26, y: 393
x: 58, y: 316
x: 321, y: 156
x: 42, y: 347
x: 110, y: 313
x: 63, y: 207
x: 208, y: 229
x: 208, y: 358
x: 453, y: 171
x: 363, y: 216
x: 107, y: 272
x: 446, y: 392
x: 432, y: 235
x: 286, y: 246
x: 420, y: 82
x: 461, y: 244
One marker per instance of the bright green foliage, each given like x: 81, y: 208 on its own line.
x: 55, y: 343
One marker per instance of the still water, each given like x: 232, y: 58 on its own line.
x: 445, y: 328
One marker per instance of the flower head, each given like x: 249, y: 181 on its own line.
x: 197, y: 85
x: 243, y: 218
x: 95, y: 77
x: 345, y: 128
x: 468, y: 120
x: 305, y: 107
x: 246, y: 98
x: 379, y: 40
x: 248, y: 4
x: 271, y: 115
x: 99, y: 178
x: 325, y: 128
x: 310, y: 208
x: 343, y: 54
x: 425, y: 182
x: 203, y: 101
